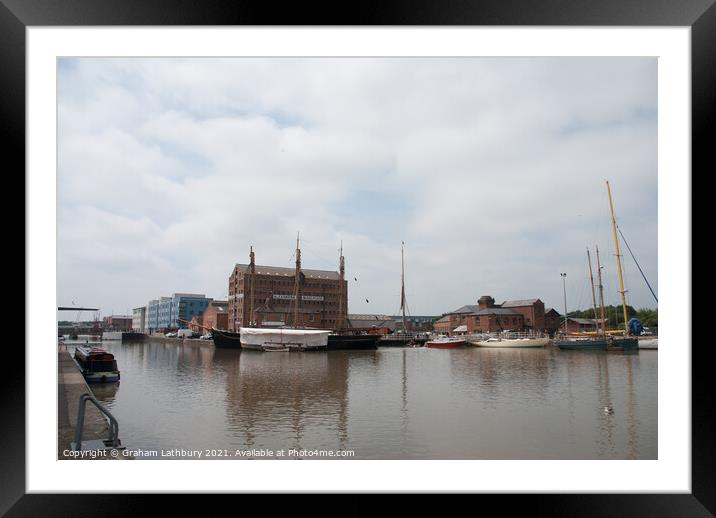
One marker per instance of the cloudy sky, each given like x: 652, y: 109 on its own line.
x: 491, y: 171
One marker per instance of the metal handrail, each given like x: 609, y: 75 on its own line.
x: 113, y: 424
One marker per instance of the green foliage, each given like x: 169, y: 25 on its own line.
x: 648, y: 317
x: 614, y: 315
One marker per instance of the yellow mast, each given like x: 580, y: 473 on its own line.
x: 619, y: 261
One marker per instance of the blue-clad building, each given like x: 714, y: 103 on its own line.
x: 168, y: 312
x: 152, y: 316
x: 186, y: 305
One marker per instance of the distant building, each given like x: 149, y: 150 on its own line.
x: 372, y: 324
x: 577, y: 325
x: 415, y: 323
x: 174, y: 312
x: 552, y: 320
x: 117, y: 323
x: 274, y: 297
x: 215, y: 316
x: 139, y: 319
x: 488, y: 317
x: 442, y: 325
x: 531, y: 309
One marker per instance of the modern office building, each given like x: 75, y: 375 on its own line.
x: 152, y: 324
x: 139, y: 319
x: 174, y: 312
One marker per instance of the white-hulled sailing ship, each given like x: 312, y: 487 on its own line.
x: 297, y: 336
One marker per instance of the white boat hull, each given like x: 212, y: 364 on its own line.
x: 283, y: 339
x: 520, y: 342
x: 648, y: 343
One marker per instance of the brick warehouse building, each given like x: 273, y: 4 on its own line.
x: 488, y: 317
x: 274, y: 295
x: 216, y: 315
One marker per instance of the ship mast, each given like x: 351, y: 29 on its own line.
x: 594, y: 298
x: 601, y: 290
x: 252, y: 269
x: 402, y: 284
x: 296, y: 288
x: 342, y: 273
x: 619, y: 261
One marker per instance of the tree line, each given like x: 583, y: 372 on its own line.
x: 615, y: 315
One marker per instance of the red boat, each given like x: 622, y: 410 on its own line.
x: 445, y: 342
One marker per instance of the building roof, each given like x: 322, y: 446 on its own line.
x: 496, y: 311
x: 367, y: 323
x: 414, y: 318
x: 220, y: 305
x: 549, y: 310
x: 518, y: 303
x: 290, y: 272
x: 465, y: 309
x: 368, y: 317
x: 446, y: 318
x: 587, y: 321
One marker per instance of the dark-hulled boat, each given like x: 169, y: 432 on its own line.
x: 582, y: 343
x: 97, y: 365
x: 624, y: 343
x: 226, y: 339
x: 352, y: 341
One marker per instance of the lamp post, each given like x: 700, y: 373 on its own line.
x: 564, y: 288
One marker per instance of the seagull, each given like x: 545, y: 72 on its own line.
x: 355, y: 278
x: 366, y: 300
x: 608, y: 410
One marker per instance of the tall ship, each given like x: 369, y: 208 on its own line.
x: 297, y: 336
x: 406, y: 338
x: 343, y: 337
x: 601, y: 338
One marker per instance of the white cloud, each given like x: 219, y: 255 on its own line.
x: 491, y: 170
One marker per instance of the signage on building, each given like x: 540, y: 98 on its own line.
x: 279, y: 296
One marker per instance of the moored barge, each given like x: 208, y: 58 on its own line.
x: 97, y: 365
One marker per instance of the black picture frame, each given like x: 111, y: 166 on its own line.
x: 699, y: 15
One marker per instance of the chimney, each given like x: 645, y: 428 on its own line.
x: 485, y: 302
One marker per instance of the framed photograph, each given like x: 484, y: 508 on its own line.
x: 418, y: 254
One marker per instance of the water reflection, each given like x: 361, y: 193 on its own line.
x: 391, y: 403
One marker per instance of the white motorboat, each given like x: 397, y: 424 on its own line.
x: 511, y: 342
